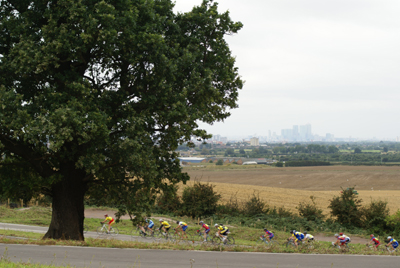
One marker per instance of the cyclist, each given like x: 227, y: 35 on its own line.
x: 375, y: 241
x: 342, y: 234
x: 164, y: 226
x: 206, y: 230
x: 110, y: 220
x: 342, y: 239
x: 392, y: 242
x: 223, y: 232
x: 149, y: 225
x: 268, y: 235
x: 308, y: 237
x: 182, y: 227
x: 296, y: 237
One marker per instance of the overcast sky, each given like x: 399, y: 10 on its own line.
x: 333, y: 64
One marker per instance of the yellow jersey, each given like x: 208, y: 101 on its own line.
x: 165, y: 224
x: 222, y: 228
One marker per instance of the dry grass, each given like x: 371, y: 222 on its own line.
x: 305, y: 178
x: 288, y: 186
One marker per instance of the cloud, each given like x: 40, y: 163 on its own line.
x: 334, y: 64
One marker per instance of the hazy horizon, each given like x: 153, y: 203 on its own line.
x: 333, y: 64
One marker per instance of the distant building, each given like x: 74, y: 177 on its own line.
x: 191, y: 159
x: 305, y: 132
x: 250, y: 163
x: 254, y: 142
x: 287, y: 134
x: 216, y: 137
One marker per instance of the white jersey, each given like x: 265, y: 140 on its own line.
x: 308, y: 236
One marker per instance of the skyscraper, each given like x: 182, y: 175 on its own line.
x: 305, y: 132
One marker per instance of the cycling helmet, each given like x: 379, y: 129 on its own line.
x: 177, y: 222
x: 340, y: 233
x: 160, y: 219
x: 389, y: 237
x: 201, y: 222
x: 293, y: 231
x: 305, y: 232
x: 216, y: 225
x: 372, y: 235
x: 106, y: 215
x: 265, y: 229
x: 336, y: 235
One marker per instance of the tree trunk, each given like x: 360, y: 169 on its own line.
x: 68, y: 208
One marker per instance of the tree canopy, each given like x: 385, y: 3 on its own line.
x: 95, y: 97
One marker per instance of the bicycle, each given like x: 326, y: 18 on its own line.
x: 139, y: 232
x: 372, y: 247
x: 160, y: 234
x: 390, y: 249
x: 290, y: 243
x: 199, y: 236
x: 263, y: 240
x: 344, y: 247
x: 178, y: 236
x: 302, y: 244
x: 103, y: 230
x: 217, y: 240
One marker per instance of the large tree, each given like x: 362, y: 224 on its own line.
x: 95, y: 96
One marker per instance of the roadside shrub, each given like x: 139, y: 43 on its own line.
x: 232, y: 207
x: 392, y: 222
x: 346, y: 208
x: 169, y: 201
x: 254, y: 206
x: 220, y: 162
x: 309, y: 211
x: 199, y: 200
x: 374, y: 215
x: 281, y: 212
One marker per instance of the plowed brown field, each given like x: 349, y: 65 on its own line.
x: 288, y: 186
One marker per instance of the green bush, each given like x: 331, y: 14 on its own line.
x: 169, y: 201
x: 254, y: 206
x: 346, y: 208
x: 309, y: 211
x: 199, y: 200
x: 281, y: 212
x: 279, y: 164
x: 393, y: 222
x: 374, y: 216
x: 220, y: 162
x: 232, y: 207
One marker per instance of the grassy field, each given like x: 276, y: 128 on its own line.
x: 326, y: 178
x: 286, y: 187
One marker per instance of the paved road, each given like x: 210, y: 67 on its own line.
x: 124, y: 258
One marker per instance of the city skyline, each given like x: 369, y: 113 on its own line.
x: 298, y: 133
